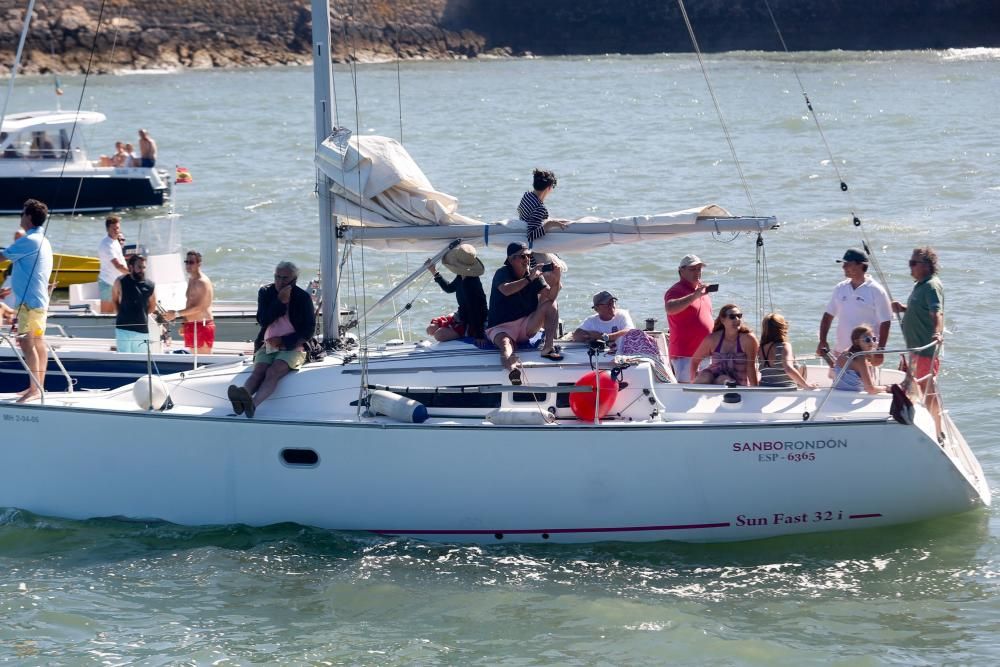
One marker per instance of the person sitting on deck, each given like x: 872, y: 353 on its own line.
x: 733, y: 349
x: 287, y: 320
x: 777, y: 361
x: 521, y: 303
x: 858, y: 374
x: 470, y: 318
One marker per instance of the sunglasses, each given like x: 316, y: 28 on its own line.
x: 278, y: 276
x: 190, y: 261
x: 735, y: 316
x: 914, y: 262
x: 519, y: 256
x: 868, y: 339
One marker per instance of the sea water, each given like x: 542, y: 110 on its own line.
x: 914, y: 135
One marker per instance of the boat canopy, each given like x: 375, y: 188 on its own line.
x: 384, y: 200
x: 26, y: 120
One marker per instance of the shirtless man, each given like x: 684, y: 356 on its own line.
x: 147, y: 150
x: 199, y: 327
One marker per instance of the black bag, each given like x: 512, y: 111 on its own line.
x: 902, y: 407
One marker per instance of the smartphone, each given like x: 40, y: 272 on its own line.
x: 546, y: 268
x: 714, y: 287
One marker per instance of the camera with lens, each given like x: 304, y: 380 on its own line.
x: 547, y: 268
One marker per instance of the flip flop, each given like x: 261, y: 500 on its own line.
x: 552, y: 355
x: 515, y: 377
x: 236, y: 398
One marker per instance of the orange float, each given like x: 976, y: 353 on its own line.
x: 583, y: 404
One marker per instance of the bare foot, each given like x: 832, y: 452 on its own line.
x: 24, y: 397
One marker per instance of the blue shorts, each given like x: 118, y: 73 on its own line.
x: 105, y: 290
x: 131, y: 341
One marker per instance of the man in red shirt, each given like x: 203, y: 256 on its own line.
x: 689, y: 315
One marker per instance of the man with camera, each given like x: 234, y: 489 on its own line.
x: 689, y: 314
x: 522, y: 301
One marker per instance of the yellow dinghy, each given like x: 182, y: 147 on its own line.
x: 69, y: 269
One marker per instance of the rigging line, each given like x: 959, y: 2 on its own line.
x: 399, y: 79
x: 363, y: 353
x: 114, y: 42
x: 718, y: 107
x: 833, y: 161
x: 17, y: 60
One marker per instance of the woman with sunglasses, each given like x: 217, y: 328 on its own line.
x: 858, y: 374
x: 733, y: 349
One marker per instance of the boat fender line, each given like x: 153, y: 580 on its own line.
x: 520, y: 416
x: 397, y: 407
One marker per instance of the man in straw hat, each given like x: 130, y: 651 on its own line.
x: 521, y: 303
x: 470, y: 318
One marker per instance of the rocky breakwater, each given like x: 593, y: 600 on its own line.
x: 138, y: 34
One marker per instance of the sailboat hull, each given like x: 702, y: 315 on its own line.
x: 482, y: 483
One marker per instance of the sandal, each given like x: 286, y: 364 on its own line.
x: 552, y: 355
x: 515, y: 377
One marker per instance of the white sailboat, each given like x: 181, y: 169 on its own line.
x: 491, y: 461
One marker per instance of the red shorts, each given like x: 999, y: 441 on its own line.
x: 924, y: 367
x: 205, y: 331
x: 449, y: 322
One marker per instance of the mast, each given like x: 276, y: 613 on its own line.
x: 323, y: 109
x: 17, y: 59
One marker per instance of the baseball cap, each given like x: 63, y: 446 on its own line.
x: 603, y: 297
x: 854, y: 255
x: 514, y: 248
x: 690, y: 260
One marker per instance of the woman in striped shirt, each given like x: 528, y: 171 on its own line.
x: 532, y: 209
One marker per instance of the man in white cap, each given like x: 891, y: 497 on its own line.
x: 689, y: 315
x: 856, y: 300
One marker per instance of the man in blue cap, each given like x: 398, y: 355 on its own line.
x: 522, y: 301
x: 856, y: 300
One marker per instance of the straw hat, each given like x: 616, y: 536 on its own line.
x: 461, y: 260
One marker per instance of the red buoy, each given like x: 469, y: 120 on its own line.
x: 582, y: 404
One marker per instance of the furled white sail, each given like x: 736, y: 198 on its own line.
x: 386, y: 201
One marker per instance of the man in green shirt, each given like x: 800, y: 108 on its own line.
x: 923, y: 323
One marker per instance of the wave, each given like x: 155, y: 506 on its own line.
x: 978, y: 53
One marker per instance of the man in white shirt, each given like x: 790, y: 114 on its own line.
x: 109, y: 251
x: 608, y: 323
x: 857, y: 300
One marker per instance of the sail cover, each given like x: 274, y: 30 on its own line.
x: 385, y: 201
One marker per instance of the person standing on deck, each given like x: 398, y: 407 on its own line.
x: 31, y: 258
x: 689, y: 315
x: 199, y: 325
x: 147, y: 150
x: 923, y: 323
x: 134, y: 298
x: 857, y: 300
x: 109, y: 252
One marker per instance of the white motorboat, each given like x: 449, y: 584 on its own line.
x: 42, y: 156
x: 430, y: 440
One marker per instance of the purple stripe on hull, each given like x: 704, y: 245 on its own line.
x: 864, y: 516
x: 624, y: 529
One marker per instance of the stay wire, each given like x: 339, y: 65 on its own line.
x: 72, y: 134
x: 399, y: 78
x: 718, y: 107
x: 855, y: 219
